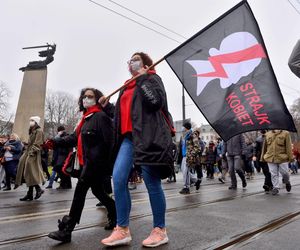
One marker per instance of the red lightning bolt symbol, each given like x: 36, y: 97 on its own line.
x: 253, y: 52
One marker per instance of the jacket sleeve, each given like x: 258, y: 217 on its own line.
x: 107, y: 131
x: 288, y: 144
x: 17, y: 148
x: 263, y: 150
x: 66, y: 141
x: 294, y: 60
x: 109, y: 109
x: 243, y: 145
x: 152, y: 90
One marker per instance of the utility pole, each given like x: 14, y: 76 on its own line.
x: 183, y: 105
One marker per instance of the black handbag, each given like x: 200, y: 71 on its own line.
x: 71, y: 165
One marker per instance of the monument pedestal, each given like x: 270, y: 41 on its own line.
x: 31, y: 101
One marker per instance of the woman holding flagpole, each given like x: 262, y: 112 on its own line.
x: 142, y: 139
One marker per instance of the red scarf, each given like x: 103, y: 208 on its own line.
x: 125, y: 105
x: 89, y: 111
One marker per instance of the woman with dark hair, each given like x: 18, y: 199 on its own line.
x: 93, y: 139
x: 142, y: 139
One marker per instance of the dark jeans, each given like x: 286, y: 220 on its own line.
x: 98, y: 190
x: 199, y: 171
x: 10, y: 168
x: 210, y: 170
x: 265, y: 168
x: 248, y: 166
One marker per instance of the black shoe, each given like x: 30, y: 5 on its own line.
x: 288, y: 187
x: 63, y: 236
x: 111, y: 224
x: 266, y: 188
x: 16, y: 186
x: 48, y: 187
x: 65, y: 229
x: 27, y: 198
x: 38, y: 194
x: 221, y: 180
x: 275, y: 191
x: 232, y: 187
x: 197, y: 184
x: 7, y: 189
x: 184, y: 191
x: 244, y: 183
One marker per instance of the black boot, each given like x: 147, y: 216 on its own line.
x: 111, y: 224
x: 65, y: 229
x: 28, y: 196
x: 39, y: 192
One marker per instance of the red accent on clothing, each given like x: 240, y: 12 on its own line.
x: 125, y: 105
x: 89, y: 111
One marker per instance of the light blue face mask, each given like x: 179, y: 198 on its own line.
x: 183, y: 129
x: 135, y: 65
x: 88, y: 102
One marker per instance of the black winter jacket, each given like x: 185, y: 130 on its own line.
x: 151, y: 135
x: 97, y: 142
x: 60, y: 154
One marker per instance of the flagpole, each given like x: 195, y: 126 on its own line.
x: 134, y: 78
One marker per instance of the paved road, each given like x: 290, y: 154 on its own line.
x: 211, y: 218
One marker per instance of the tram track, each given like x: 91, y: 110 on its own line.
x: 234, y: 241
x: 134, y: 217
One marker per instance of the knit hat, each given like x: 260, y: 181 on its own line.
x: 187, y: 125
x: 37, y: 119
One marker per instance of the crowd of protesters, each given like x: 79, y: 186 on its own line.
x: 129, y: 143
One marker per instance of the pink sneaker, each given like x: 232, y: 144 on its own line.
x: 119, y: 236
x: 157, y: 237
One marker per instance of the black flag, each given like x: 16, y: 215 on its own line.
x: 226, y: 71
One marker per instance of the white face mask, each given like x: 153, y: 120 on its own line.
x: 31, y: 123
x: 60, y: 132
x: 135, y: 66
x: 87, y: 102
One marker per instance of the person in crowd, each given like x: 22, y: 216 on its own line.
x: 224, y: 165
x: 3, y: 140
x: 188, y: 149
x: 60, y: 154
x: 219, y: 154
x: 277, y: 152
x: 268, y: 186
x: 143, y: 138
x: 235, y: 149
x: 44, y: 157
x: 249, y: 153
x: 30, y: 164
x: 12, y: 153
x: 211, y: 156
x: 198, y: 166
x: 172, y: 177
x: 93, y: 138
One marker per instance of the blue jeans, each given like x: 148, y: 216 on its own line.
x: 52, y: 178
x: 122, y: 168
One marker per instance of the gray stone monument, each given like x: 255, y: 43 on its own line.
x: 33, y: 92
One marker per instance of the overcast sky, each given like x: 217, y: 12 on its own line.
x: 93, y: 44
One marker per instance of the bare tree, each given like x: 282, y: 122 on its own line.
x: 60, y: 109
x: 5, y: 116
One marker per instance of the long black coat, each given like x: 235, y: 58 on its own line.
x: 97, y: 143
x: 151, y: 135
